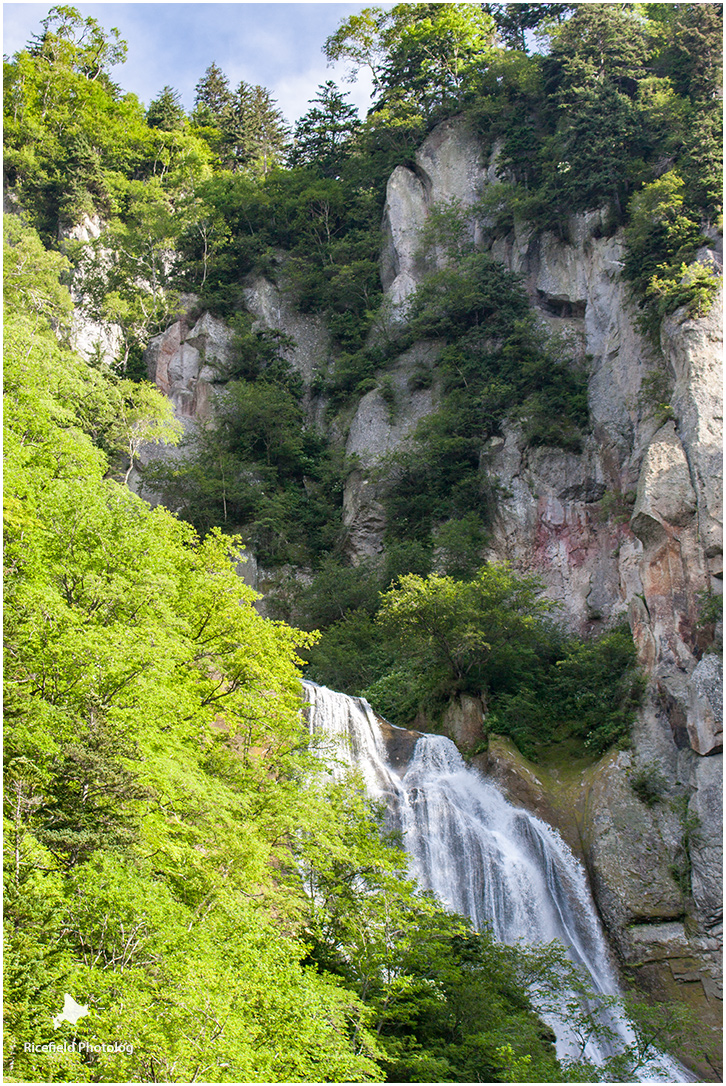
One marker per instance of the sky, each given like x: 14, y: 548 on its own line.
x: 278, y: 45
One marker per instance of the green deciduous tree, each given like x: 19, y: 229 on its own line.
x: 430, y: 54
x: 155, y: 761
x: 461, y: 634
x: 32, y: 277
x: 145, y: 417
x: 662, y: 240
x: 78, y: 43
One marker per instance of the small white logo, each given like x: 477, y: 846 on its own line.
x: 71, y: 1012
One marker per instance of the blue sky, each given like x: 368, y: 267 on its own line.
x: 278, y: 45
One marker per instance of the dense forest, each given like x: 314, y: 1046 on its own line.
x: 178, y: 854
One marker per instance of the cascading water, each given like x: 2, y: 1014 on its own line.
x: 483, y: 858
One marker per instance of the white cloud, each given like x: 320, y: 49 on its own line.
x: 293, y: 92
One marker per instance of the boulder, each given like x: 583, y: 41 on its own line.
x: 665, y: 499
x: 464, y: 722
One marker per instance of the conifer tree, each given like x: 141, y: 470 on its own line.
x: 166, y: 112
x: 323, y: 133
x: 514, y: 19
x: 212, y: 97
x: 255, y: 133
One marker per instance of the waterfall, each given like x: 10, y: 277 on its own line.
x: 482, y: 857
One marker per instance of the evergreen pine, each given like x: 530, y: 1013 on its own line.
x: 323, y: 134
x: 166, y: 112
x: 212, y: 97
x: 255, y: 134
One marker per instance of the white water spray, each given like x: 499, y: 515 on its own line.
x: 481, y: 856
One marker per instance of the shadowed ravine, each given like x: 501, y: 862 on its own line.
x: 492, y: 862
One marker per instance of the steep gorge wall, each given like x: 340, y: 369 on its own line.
x: 631, y: 526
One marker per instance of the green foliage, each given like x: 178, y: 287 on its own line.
x: 254, y: 135
x: 617, y: 505
x: 425, y: 55
x: 496, y: 364
x: 429, y: 637
x: 397, y: 695
x: 459, y: 544
x: 73, y: 140
x: 212, y: 97
x: 351, y: 655
x: 442, y: 998
x: 662, y: 239
x: 649, y: 784
x: 465, y: 635
x: 693, y: 286
x: 654, y: 395
x: 338, y: 589
x: 323, y: 134
x: 261, y: 469
x: 623, y: 102
x: 513, y: 20
x: 710, y: 614
x: 681, y: 869
x: 328, y: 226
x: 80, y: 44
x: 590, y: 690
x: 154, y: 759
x: 32, y: 276
x: 166, y: 111
x: 600, y: 688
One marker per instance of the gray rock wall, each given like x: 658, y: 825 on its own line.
x: 632, y: 527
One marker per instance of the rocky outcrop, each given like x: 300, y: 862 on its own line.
x: 195, y: 354
x: 191, y: 361
x: 447, y: 171
x: 383, y: 419
x: 186, y: 362
x: 309, y: 350
x: 95, y: 340
x: 188, y: 359
x: 464, y: 721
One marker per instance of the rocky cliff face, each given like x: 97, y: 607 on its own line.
x: 631, y: 526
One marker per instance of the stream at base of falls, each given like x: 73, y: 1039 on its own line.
x: 495, y: 863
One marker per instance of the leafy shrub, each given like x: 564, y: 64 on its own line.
x: 336, y: 590
x: 589, y: 690
x: 459, y: 543
x: 261, y: 470
x: 662, y: 238
x: 649, y: 784
x: 436, y: 475
x: 351, y: 655
x: 598, y: 687
x: 397, y: 695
